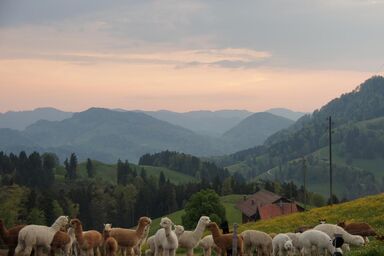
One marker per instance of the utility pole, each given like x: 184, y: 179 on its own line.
x: 330, y: 161
x: 305, y: 183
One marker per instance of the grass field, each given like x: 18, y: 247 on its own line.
x: 107, y: 172
x: 368, y: 209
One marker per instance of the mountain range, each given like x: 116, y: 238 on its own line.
x: 109, y: 135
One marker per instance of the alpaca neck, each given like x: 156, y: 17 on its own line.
x: 56, y: 226
x: 168, y: 232
x: 3, y: 232
x: 71, y: 234
x: 215, y: 234
x: 79, y: 234
x: 199, y: 230
x: 140, y: 230
x: 106, y: 234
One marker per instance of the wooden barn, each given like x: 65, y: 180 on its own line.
x: 266, y: 205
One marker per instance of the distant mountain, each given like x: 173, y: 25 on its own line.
x: 287, y: 113
x: 107, y: 135
x: 255, y: 129
x: 19, y: 120
x: 212, y: 123
x: 358, y: 146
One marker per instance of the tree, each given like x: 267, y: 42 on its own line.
x: 71, y: 167
x: 203, y: 203
x: 90, y: 169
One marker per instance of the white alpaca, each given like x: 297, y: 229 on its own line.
x: 207, y: 244
x: 282, y: 245
x: 318, y: 239
x: 331, y: 230
x: 295, y: 241
x: 151, y: 241
x: 72, y: 246
x: 190, y: 239
x: 253, y: 239
x: 38, y: 236
x: 166, y: 239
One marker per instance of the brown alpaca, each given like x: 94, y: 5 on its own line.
x: 10, y: 236
x: 358, y: 228
x: 224, y: 241
x: 60, y: 241
x: 88, y: 241
x: 127, y: 239
x: 110, y: 243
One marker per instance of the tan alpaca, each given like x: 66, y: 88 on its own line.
x: 224, y: 241
x: 208, y: 244
x: 88, y: 241
x: 138, y: 247
x: 9, y: 236
x: 261, y: 241
x: 127, y: 239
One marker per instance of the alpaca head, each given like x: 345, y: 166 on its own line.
x: 62, y: 221
x: 358, y: 240
x: 342, y: 224
x: 212, y: 226
x: 166, y: 223
x: 107, y: 227
x: 288, y: 245
x: 179, y: 230
x: 322, y: 221
x: 75, y: 223
x: 145, y: 221
x: 204, y: 220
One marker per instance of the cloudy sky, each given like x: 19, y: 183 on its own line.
x: 186, y: 55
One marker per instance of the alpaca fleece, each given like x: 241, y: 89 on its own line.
x: 224, y: 242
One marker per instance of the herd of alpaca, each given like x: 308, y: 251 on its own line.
x: 68, y: 237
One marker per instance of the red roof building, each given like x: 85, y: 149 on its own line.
x: 266, y: 205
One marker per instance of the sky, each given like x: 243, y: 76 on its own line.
x: 186, y: 55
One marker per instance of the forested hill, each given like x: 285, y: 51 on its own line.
x: 358, y: 138
x: 254, y: 129
x: 186, y: 164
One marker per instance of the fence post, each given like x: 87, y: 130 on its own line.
x: 234, y: 240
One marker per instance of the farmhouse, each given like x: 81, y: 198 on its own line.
x: 265, y: 205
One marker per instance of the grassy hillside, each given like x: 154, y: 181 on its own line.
x: 108, y: 173
x: 368, y: 209
x: 232, y: 213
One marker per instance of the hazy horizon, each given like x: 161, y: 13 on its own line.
x: 184, y: 56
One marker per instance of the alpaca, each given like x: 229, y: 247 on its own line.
x: 151, y: 246
x: 295, y: 241
x: 127, y: 239
x: 73, y: 243
x: 282, y: 245
x: 35, y: 235
x: 224, y: 241
x: 61, y: 241
x: 358, y: 228
x: 166, y: 239
x: 318, y: 239
x: 9, y: 236
x: 110, y: 243
x: 137, y: 248
x: 261, y: 241
x: 190, y: 239
x: 331, y: 230
x: 88, y: 241
x: 179, y: 230
x: 207, y: 244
